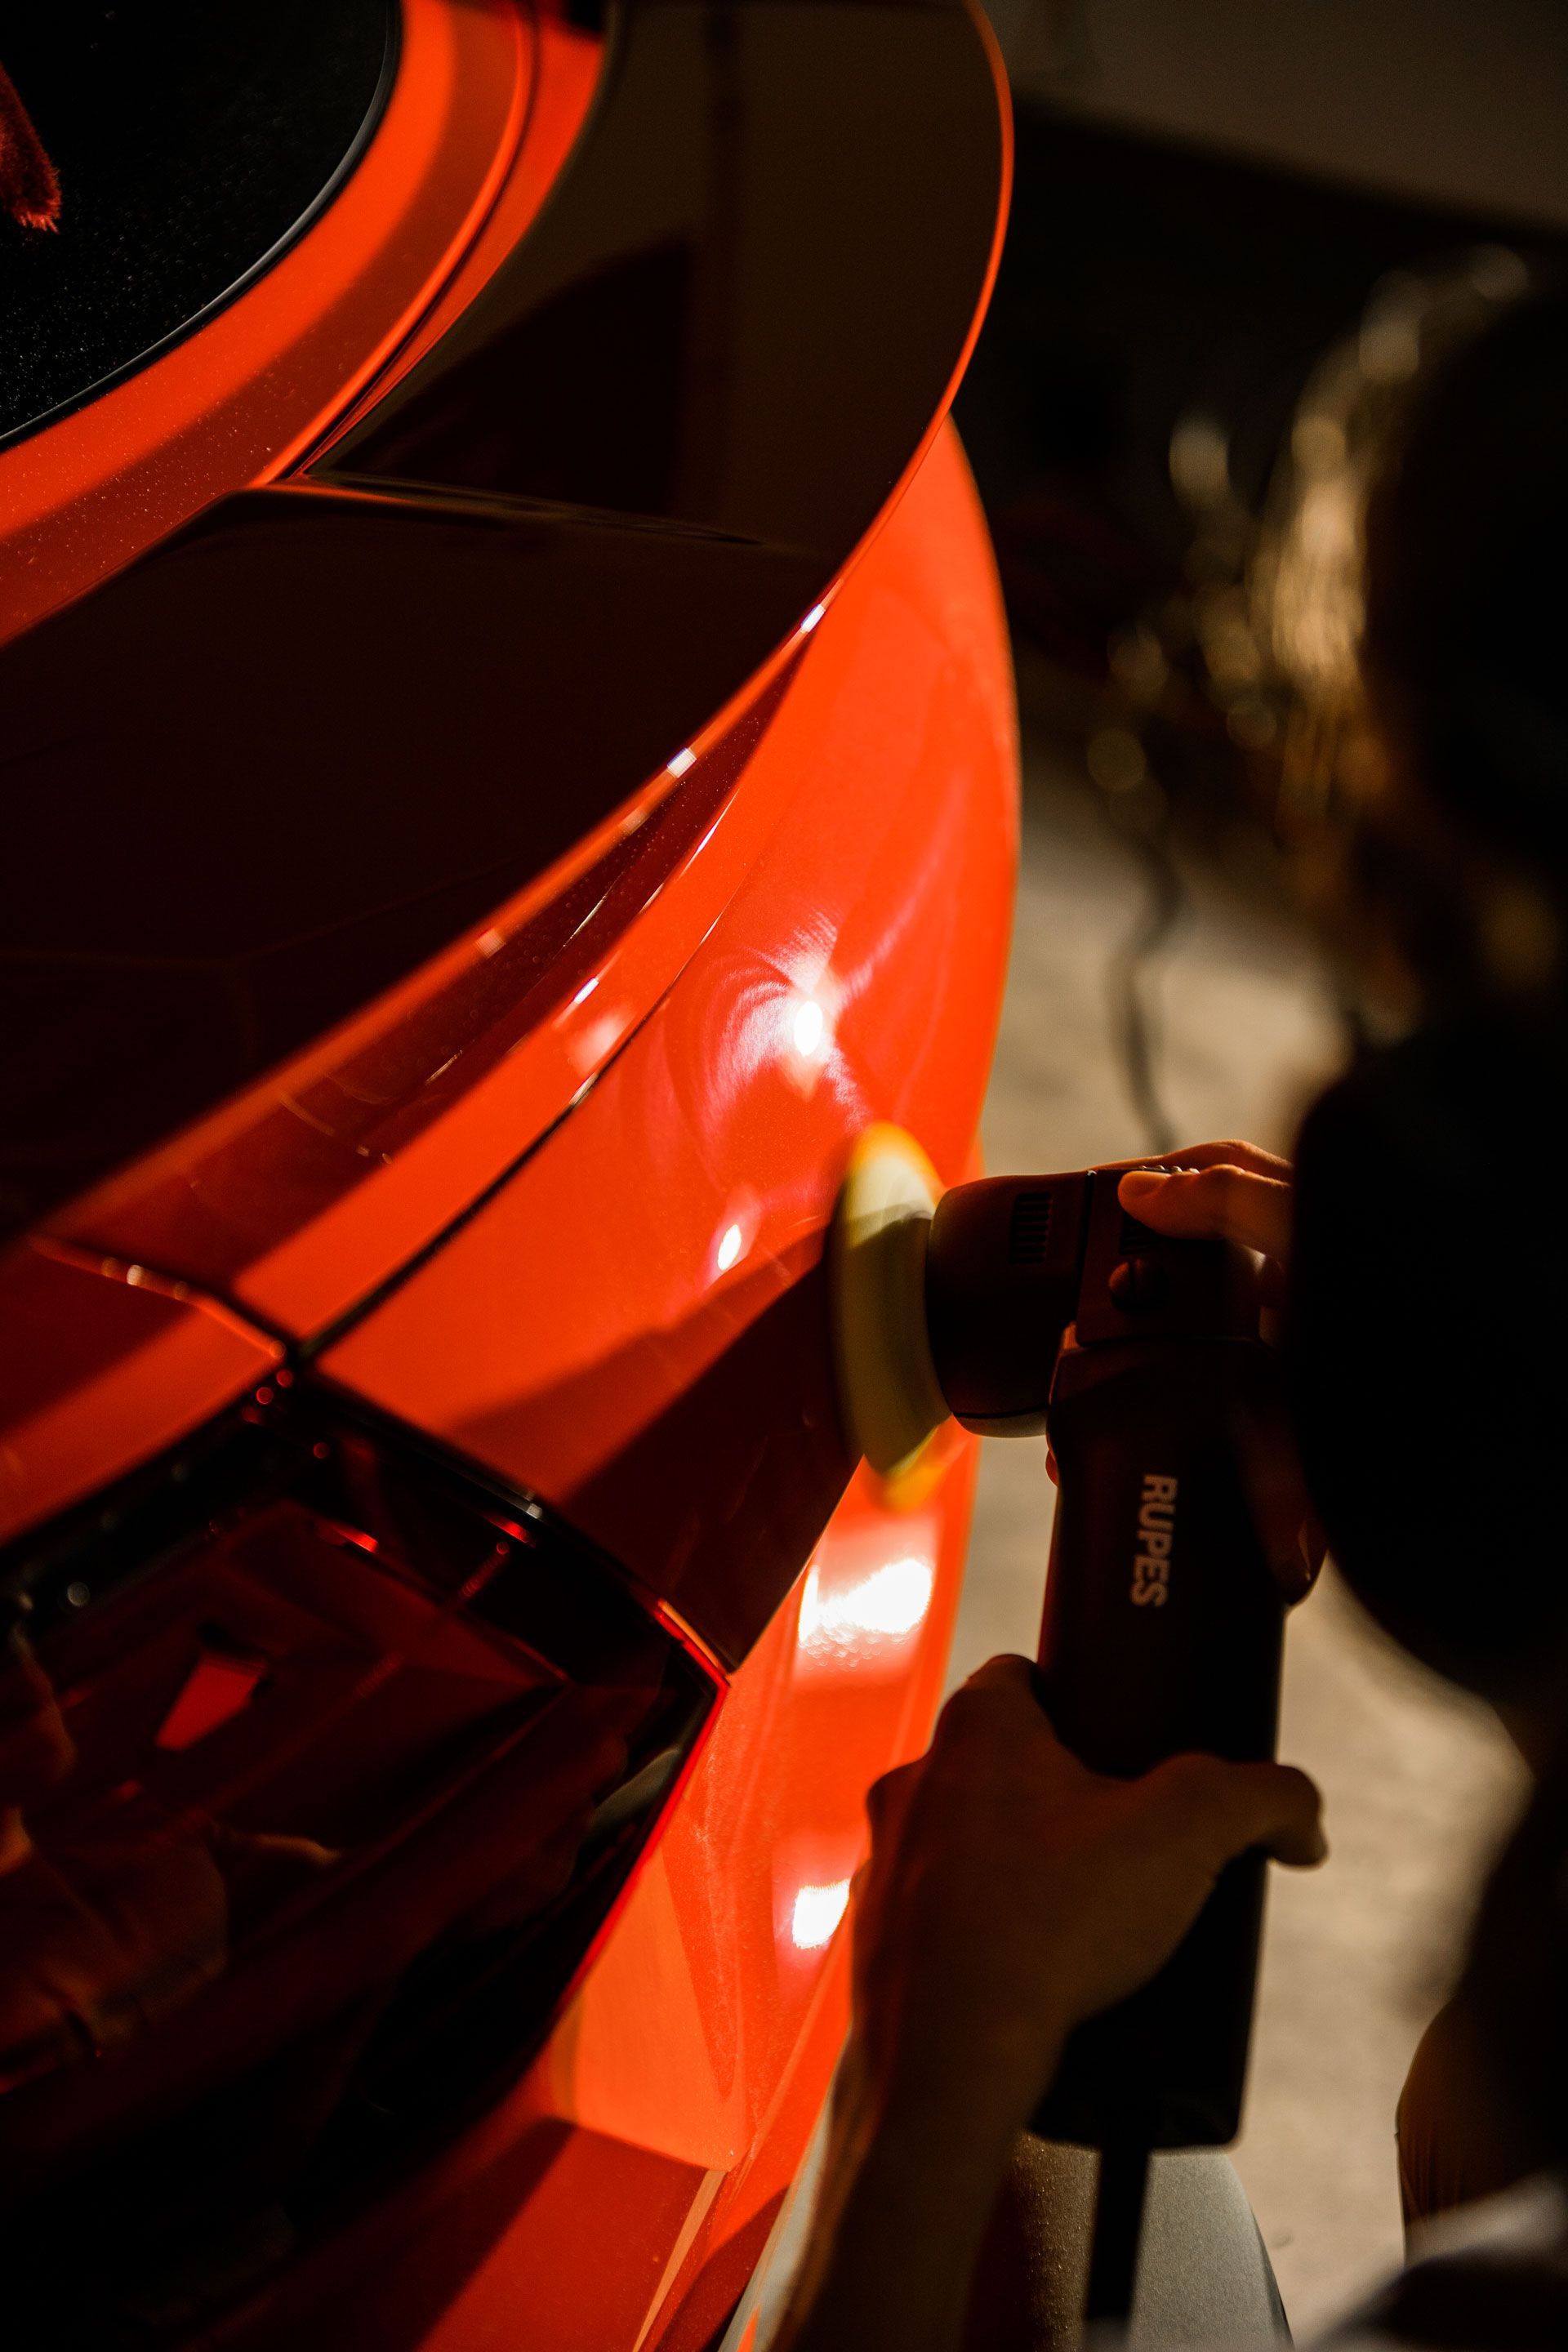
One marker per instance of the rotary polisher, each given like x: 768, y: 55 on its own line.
x: 1023, y: 1304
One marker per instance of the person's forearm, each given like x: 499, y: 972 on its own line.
x: 1011, y: 1893
x: 907, y: 2192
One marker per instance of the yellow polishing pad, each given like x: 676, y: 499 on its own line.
x: 889, y: 1398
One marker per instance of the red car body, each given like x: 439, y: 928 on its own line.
x: 510, y: 1221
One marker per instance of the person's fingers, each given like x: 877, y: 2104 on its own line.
x: 1222, y: 1202
x: 995, y: 1700
x: 1232, y: 1153
x: 1226, y: 1809
x: 1006, y: 1673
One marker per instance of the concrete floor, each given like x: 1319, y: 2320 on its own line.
x: 1418, y: 1783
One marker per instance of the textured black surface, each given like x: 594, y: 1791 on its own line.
x: 191, y: 137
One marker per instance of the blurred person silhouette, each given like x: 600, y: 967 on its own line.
x: 1011, y: 1893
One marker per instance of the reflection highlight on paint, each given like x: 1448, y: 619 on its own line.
x: 735, y: 1234
x: 807, y: 1026
x: 887, y: 1606
x: 817, y: 1911
x: 808, y: 1032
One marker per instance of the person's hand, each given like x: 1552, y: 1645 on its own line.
x: 1234, y: 1192
x: 1220, y: 1191
x: 1012, y: 1893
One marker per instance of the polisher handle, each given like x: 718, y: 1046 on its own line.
x: 1162, y: 1635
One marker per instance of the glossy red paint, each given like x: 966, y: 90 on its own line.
x: 308, y: 1191
x: 105, y: 1363
x: 558, y: 1203
x: 487, y: 98
x: 622, y: 2193
x: 874, y: 1615
x: 757, y: 1865
x: 654, y: 1356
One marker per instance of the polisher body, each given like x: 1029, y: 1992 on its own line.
x: 1049, y: 1306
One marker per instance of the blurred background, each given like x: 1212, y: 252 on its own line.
x: 1240, y: 227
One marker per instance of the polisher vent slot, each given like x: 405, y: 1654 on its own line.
x: 1027, y: 1228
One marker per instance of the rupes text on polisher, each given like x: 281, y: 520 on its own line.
x: 1152, y: 1561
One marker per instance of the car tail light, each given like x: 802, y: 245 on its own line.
x: 321, y: 1766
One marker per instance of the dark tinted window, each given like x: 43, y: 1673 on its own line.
x: 190, y: 137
